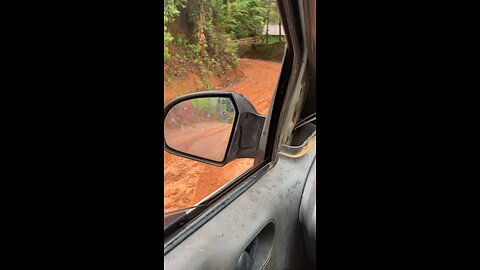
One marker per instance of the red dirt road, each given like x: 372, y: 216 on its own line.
x: 188, y: 182
x: 207, y: 139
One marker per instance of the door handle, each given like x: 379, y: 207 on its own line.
x: 245, y: 262
x: 257, y: 253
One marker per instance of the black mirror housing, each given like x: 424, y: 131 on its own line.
x: 246, y: 132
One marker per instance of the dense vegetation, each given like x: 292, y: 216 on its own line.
x: 198, y: 34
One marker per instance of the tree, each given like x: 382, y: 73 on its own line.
x: 201, y: 25
x: 170, y: 12
x: 202, y: 29
x: 243, y: 18
x: 279, y: 28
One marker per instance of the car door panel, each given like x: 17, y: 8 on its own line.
x: 268, y: 209
x: 308, y: 216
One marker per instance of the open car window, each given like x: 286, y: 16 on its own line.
x: 214, y: 46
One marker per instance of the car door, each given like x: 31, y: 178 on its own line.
x: 253, y: 222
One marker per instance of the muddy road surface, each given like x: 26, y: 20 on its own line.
x: 205, y: 139
x: 187, y: 182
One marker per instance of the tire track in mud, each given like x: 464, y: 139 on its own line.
x: 186, y: 182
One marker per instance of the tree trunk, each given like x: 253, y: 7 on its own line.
x: 280, y: 28
x: 268, y: 22
x: 201, y: 27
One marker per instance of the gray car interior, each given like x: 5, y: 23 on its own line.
x: 251, y: 230
x: 308, y: 215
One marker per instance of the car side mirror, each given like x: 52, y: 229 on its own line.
x: 213, y: 127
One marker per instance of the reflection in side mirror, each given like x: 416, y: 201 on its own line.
x: 213, y: 127
x: 201, y: 127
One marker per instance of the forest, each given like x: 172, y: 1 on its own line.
x: 200, y: 35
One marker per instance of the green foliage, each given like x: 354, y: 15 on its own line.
x: 170, y: 11
x: 208, y: 27
x: 167, y: 38
x: 273, y: 39
x: 220, y: 107
x: 206, y: 104
x: 244, y: 18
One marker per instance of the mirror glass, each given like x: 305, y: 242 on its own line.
x: 200, y: 127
